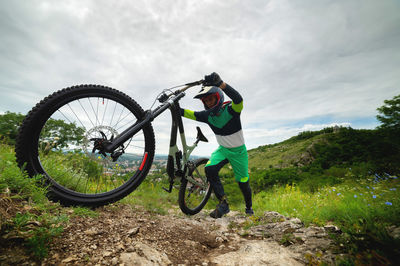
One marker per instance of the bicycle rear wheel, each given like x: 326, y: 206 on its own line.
x: 58, y: 140
x: 195, y: 190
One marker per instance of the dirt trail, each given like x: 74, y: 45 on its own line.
x: 121, y: 235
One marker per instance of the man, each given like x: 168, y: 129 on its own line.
x: 224, y: 120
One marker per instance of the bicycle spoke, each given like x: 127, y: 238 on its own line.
x: 122, y: 110
x: 84, y: 110
x: 76, y: 116
x: 94, y: 112
x: 120, y: 121
x: 112, y: 117
x: 105, y: 110
x: 67, y: 117
x: 127, y: 123
x: 97, y: 111
x: 136, y: 146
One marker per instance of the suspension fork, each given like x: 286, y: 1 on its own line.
x: 177, y: 161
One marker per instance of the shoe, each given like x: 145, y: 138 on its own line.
x: 249, y: 211
x: 221, y: 209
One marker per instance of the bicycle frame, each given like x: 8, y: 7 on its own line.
x: 175, y: 156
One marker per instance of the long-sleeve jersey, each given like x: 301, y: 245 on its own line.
x: 226, y: 123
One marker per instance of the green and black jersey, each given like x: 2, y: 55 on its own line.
x: 226, y: 123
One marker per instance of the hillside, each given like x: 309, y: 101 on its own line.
x: 332, y: 147
x: 285, y: 154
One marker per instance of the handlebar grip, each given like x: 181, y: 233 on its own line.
x: 199, y: 82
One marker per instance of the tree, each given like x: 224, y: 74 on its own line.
x: 57, y: 133
x: 390, y: 114
x: 9, y: 123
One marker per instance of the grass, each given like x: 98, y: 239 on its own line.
x: 283, y: 154
x: 153, y: 198
x: 151, y: 195
x: 345, y: 203
x: 364, y: 207
x: 37, y: 221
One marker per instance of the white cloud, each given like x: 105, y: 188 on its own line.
x: 295, y: 63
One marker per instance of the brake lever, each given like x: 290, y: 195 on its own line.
x: 199, y: 82
x: 189, y: 85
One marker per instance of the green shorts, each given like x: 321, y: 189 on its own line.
x: 238, y: 159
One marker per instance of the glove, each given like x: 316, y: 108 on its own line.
x: 212, y: 80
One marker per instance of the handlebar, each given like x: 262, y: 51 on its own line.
x: 189, y: 85
x: 164, y: 96
x: 199, y: 82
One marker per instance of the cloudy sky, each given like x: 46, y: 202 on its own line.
x: 299, y: 65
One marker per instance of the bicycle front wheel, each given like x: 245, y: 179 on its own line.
x: 60, y: 139
x: 195, y: 190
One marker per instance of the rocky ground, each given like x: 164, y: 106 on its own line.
x: 122, y: 235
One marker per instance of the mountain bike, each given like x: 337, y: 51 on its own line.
x: 93, y: 145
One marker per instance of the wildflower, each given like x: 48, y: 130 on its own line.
x: 388, y: 203
x: 339, y: 194
x: 360, y: 194
x: 333, y: 189
x: 355, y: 196
x: 395, y: 177
x: 392, y: 189
x: 374, y: 196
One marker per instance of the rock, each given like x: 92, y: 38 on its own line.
x: 296, y: 221
x: 190, y: 243
x: 69, y: 259
x: 114, y: 261
x: 394, y: 231
x: 133, y: 231
x: 107, y: 253
x: 120, y: 247
x: 273, y: 217
x: 332, y: 229
x: 314, y: 231
x: 130, y: 249
x: 257, y: 253
x: 91, y: 232
x: 219, y: 239
x: 144, y: 255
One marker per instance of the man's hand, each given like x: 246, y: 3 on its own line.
x: 212, y: 80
